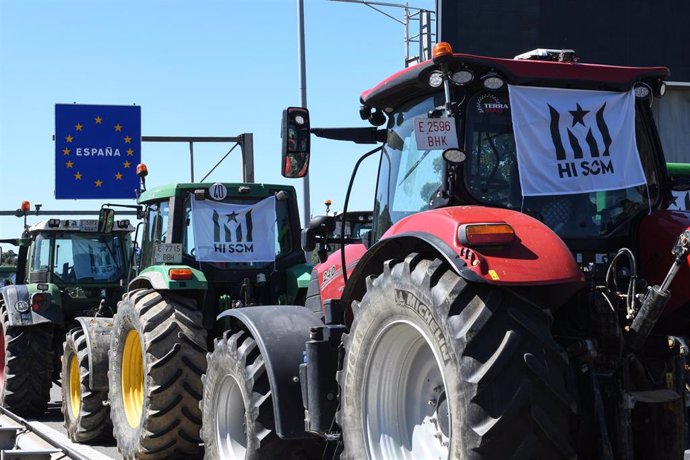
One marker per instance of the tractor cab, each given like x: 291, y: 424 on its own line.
x: 573, y: 145
x: 73, y: 260
x: 73, y: 252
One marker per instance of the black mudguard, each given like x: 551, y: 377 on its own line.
x: 280, y: 332
x: 97, y: 332
x: 17, y: 298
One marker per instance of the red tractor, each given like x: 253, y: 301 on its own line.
x: 523, y: 292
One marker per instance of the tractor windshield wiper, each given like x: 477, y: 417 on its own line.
x: 414, y: 166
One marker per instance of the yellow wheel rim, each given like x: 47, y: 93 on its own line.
x: 133, y: 379
x: 74, y: 386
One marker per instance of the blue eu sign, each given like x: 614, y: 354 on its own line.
x: 97, y: 150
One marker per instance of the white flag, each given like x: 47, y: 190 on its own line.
x: 574, y: 141
x: 234, y: 233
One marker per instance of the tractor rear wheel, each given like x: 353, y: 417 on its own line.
x: 158, y: 355
x: 436, y: 368
x: 26, y: 366
x: 86, y: 412
x: 237, y: 408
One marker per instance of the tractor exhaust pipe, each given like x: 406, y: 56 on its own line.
x: 656, y: 298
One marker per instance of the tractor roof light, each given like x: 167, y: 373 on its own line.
x: 462, y: 77
x: 642, y: 90
x: 123, y: 223
x: 53, y: 223
x: 26, y: 206
x: 441, y: 52
x: 142, y: 170
x: 377, y: 118
x: 179, y: 274
x: 486, y: 234
x: 660, y: 89
x: 454, y: 156
x: 493, y: 81
x: 436, y: 79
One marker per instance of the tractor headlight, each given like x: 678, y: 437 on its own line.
x: 462, y: 77
x: 642, y: 91
x: 493, y: 82
x: 436, y: 79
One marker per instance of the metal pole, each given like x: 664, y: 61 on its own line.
x: 424, y: 35
x: 406, y: 35
x: 247, y: 157
x: 191, y: 158
x: 302, y: 74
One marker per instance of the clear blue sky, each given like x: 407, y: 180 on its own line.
x: 197, y: 68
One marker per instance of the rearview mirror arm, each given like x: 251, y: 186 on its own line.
x: 356, y: 135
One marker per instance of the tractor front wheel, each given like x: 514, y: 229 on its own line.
x: 85, y: 411
x: 158, y: 355
x: 26, y: 366
x: 437, y: 368
x: 237, y: 407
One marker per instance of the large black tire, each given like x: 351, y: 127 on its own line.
x: 439, y: 368
x: 237, y: 409
x: 26, y: 365
x: 86, y: 412
x: 166, y: 330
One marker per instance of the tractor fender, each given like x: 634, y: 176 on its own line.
x: 158, y: 277
x: 97, y: 332
x: 281, y: 332
x: 17, y: 300
x: 536, y: 257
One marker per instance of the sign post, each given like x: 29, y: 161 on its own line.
x: 97, y: 149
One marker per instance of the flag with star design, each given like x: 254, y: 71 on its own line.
x: 574, y: 141
x: 225, y: 232
x: 97, y: 150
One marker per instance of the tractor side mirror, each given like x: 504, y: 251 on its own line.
x: 295, y: 133
x: 106, y: 220
x: 319, y: 228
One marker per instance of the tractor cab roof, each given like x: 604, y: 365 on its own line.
x: 412, y: 82
x: 240, y: 190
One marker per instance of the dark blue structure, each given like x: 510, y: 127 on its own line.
x: 615, y: 32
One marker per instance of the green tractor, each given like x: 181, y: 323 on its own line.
x: 205, y: 248
x: 68, y: 271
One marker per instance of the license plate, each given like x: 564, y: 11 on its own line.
x: 167, y: 253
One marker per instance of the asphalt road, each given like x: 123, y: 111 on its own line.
x: 53, y: 418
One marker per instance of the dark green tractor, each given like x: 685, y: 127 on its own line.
x: 205, y: 248
x: 67, y: 271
